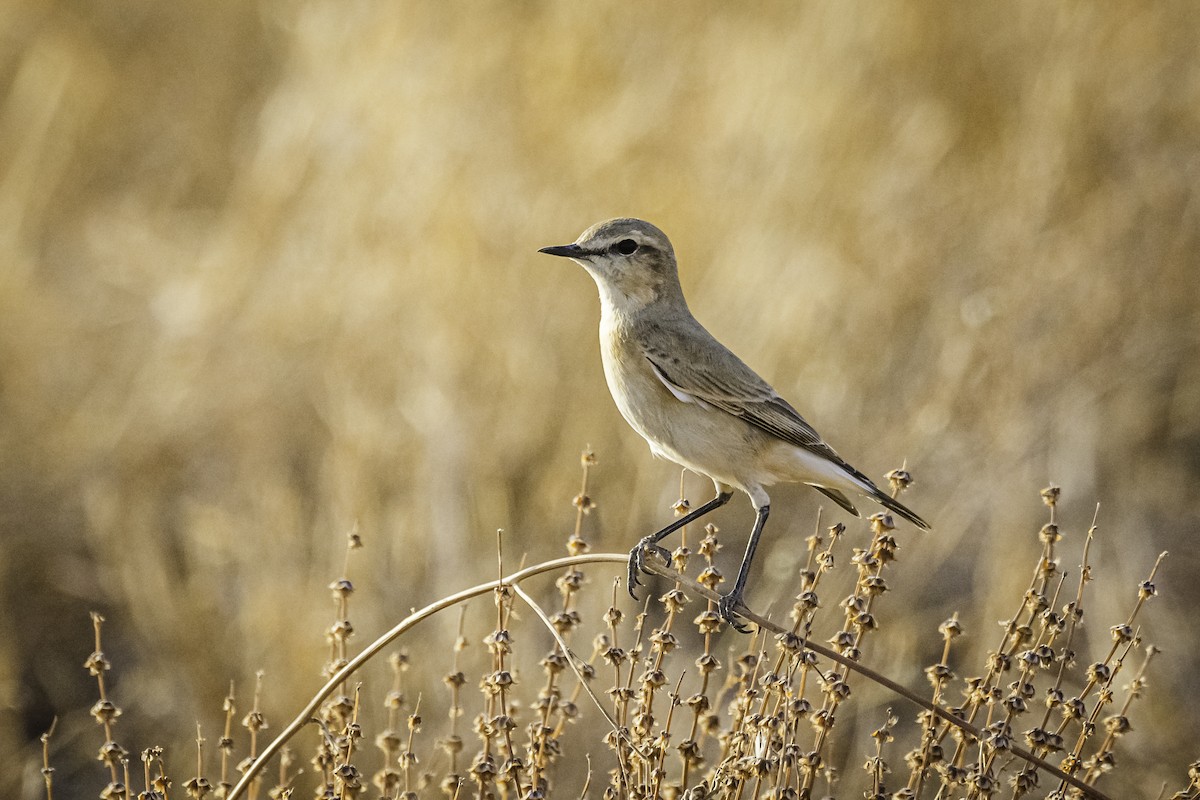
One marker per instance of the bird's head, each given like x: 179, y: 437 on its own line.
x: 631, y: 261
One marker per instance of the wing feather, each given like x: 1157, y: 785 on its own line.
x: 697, y: 368
x: 715, y: 376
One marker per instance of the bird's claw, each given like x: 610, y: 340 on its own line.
x: 637, y: 562
x: 727, y: 609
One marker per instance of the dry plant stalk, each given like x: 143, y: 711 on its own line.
x: 669, y: 728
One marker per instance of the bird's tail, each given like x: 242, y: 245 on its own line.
x: 896, y: 507
x: 837, y: 497
x: 888, y: 502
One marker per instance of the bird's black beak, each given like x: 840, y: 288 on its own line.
x: 565, y: 250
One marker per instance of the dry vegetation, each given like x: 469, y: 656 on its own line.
x: 270, y: 274
x: 676, y: 718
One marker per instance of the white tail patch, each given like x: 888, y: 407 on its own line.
x: 791, y: 464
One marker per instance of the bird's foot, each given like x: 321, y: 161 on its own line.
x: 637, y: 561
x: 727, y: 609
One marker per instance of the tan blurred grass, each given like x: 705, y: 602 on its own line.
x: 271, y: 270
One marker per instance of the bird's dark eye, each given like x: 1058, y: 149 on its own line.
x: 627, y: 247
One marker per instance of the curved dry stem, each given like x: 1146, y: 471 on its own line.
x: 356, y: 663
x: 306, y: 715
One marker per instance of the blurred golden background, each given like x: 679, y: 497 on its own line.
x: 270, y: 270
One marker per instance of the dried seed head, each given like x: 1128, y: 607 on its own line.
x: 1121, y: 634
x: 554, y: 663
x: 105, y: 712
x: 1052, y: 621
x: 1050, y: 495
x: 806, y: 602
x: 679, y: 558
x: 1074, y: 708
x: 951, y: 628
x: 569, y: 581
x: 710, y: 577
x: 1014, y: 704
x: 874, y: 585
x: 899, y: 480
x: 823, y: 720
x: 886, y: 547
x: 654, y: 678
x: 881, y: 522
x: 952, y: 774
x: 500, y: 679
x: 689, y: 749
x: 615, y: 656
x: 708, y: 621
x: 254, y: 721
x: 707, y: 663
x: 388, y: 740
x: 864, y: 559
x: 939, y: 674
x: 838, y: 689
x: 499, y: 642
x: 114, y: 791
x: 854, y: 604
x: 97, y: 663
x: 789, y: 642
x: 565, y: 621
x: 865, y: 621
x: 112, y: 753
x: 664, y: 641
x: 1045, y: 655
x: 983, y: 783
x: 1117, y: 724
x: 1035, y: 602
x: 197, y: 787
x: 349, y: 775
x: 842, y: 640
x: 484, y: 768
x: 674, y: 601
x: 613, y: 616
x: 709, y: 546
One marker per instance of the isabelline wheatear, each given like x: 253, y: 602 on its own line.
x: 692, y: 399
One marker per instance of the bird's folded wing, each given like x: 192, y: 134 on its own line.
x: 722, y: 380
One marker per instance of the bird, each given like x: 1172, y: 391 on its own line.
x: 694, y: 401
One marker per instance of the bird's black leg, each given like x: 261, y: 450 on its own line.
x: 637, y: 556
x: 731, y: 601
